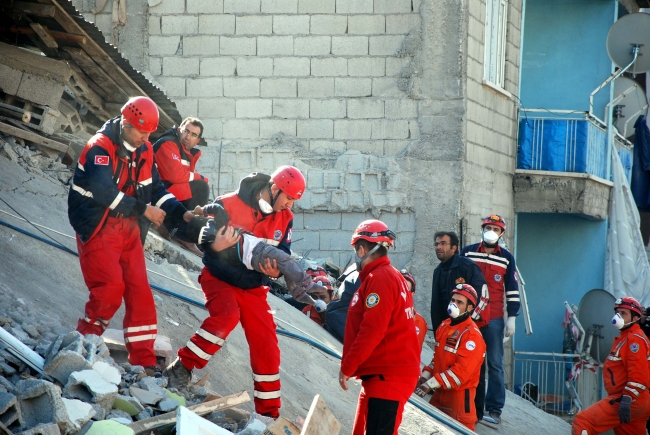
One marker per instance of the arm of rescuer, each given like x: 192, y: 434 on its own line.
x: 172, y: 168
x: 166, y: 201
x: 475, y: 278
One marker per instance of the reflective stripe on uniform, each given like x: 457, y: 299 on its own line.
x: 633, y: 391
x: 140, y: 328
x: 210, y: 337
x: 82, y: 191
x: 162, y: 200
x: 185, y: 162
x: 191, y: 176
x: 266, y: 394
x: 116, y: 201
x: 445, y: 380
x: 266, y: 378
x: 454, y: 377
x: 133, y: 338
x: 145, y: 182
x: 198, y: 352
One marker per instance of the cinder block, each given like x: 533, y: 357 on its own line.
x: 243, y: 46
x: 305, y: 240
x: 241, y: 6
x: 344, y: 129
x: 187, y: 106
x: 366, y: 24
x: 354, y: 6
x: 316, y: 87
x: 79, y: 413
x: 65, y: 355
x: 205, y: 87
x: 279, y: 6
x: 241, y: 129
x: 167, y: 7
x: 179, y: 24
x: 327, y: 109
x: 212, y: 126
x: 353, y: 87
x: 394, y: 65
x: 279, y: 88
x: 10, y: 410
x: 216, y: 108
x: 202, y: 45
x: 395, y: 147
x: 40, y: 90
x: 254, y: 24
x: 241, y: 87
x: 366, y: 66
x: 40, y: 403
x: 180, y: 66
x: 255, y: 66
x: 291, y: 108
x: 218, y: 66
x: 406, y: 222
x: 322, y: 220
x: 253, y: 108
x: 316, y: 6
x: 173, y: 86
x: 269, y: 127
x: 291, y: 66
x: 329, y: 66
x: 163, y: 45
x: 128, y: 404
x: 291, y: 24
x: 328, y: 24
x: 389, y: 129
x: 89, y: 386
x: 365, y: 108
x: 414, y: 130
x: 153, y: 24
x: 204, y: 6
x: 386, y: 87
x: 326, y: 147
x: 402, y: 108
x: 216, y: 24
x: 155, y: 66
x: 392, y: 6
x: 312, y: 45
x: 402, y: 24
x: 350, y: 221
x: 274, y: 45
x: 349, y: 45
x: 334, y: 241
x: 315, y: 129
x: 385, y: 45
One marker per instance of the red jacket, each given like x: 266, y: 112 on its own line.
x: 626, y: 368
x: 177, y: 166
x: 420, y: 329
x: 314, y: 315
x: 380, y: 336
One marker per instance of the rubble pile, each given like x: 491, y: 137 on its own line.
x: 35, y: 161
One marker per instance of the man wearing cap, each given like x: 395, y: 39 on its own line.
x: 115, y: 185
x: 453, y: 373
x: 380, y: 345
x: 626, y: 376
x: 317, y: 312
x: 234, y: 293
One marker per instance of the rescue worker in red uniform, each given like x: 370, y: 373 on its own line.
x: 380, y: 345
x: 234, y: 293
x: 626, y: 376
x: 114, y: 183
x: 420, y: 323
x: 317, y: 313
x: 454, y: 371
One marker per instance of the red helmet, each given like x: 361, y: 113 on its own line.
x: 290, y: 180
x: 407, y: 276
x: 629, y: 303
x: 374, y: 231
x: 323, y: 281
x: 494, y: 219
x: 315, y: 271
x: 467, y: 291
x: 141, y: 113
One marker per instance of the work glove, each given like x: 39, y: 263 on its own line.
x: 201, y: 230
x: 624, y: 411
x: 510, y: 327
x: 428, y: 386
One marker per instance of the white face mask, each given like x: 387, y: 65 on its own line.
x: 265, y: 207
x: 452, y: 310
x: 618, y: 321
x: 490, y: 237
x: 321, y: 306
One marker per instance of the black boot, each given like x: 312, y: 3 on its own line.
x: 178, y: 376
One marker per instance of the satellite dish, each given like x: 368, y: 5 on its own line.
x: 628, y: 31
x: 631, y: 107
x: 597, y: 308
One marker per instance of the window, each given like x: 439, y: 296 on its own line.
x: 496, y: 27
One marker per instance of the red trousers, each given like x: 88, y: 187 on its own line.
x: 113, y: 267
x: 229, y: 305
x: 601, y: 417
x: 458, y: 404
x: 382, y: 417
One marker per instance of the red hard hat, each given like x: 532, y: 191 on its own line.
x: 374, y: 231
x: 467, y: 291
x: 290, y: 180
x: 407, y: 276
x: 629, y: 303
x: 141, y: 113
x: 323, y: 281
x: 494, y: 219
x: 317, y: 271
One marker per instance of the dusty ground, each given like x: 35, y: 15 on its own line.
x: 51, y: 279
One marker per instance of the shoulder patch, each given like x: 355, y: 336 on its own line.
x: 372, y: 300
x: 634, y: 347
x: 277, y: 235
x: 102, y: 160
x: 470, y: 345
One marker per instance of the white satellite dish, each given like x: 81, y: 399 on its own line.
x: 597, y: 308
x: 630, y: 108
x: 630, y: 32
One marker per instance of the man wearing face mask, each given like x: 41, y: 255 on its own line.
x: 626, y: 377
x: 500, y: 272
x: 380, y: 345
x: 322, y: 298
x: 453, y: 373
x: 109, y: 208
x: 234, y: 293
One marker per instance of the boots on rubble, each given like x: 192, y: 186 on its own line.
x: 178, y: 375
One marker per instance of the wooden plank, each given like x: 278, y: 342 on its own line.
x: 152, y: 423
x: 45, y: 36
x: 33, y: 137
x: 34, y: 9
x: 96, y: 73
x: 320, y: 420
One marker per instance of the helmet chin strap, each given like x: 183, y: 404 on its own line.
x: 368, y: 254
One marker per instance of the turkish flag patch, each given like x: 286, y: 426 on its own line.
x: 101, y: 160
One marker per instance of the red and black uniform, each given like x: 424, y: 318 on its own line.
x: 236, y: 294
x: 111, y: 188
x: 456, y: 365
x: 624, y: 373
x: 380, y: 346
x: 310, y: 311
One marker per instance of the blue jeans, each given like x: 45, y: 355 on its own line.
x: 495, y: 398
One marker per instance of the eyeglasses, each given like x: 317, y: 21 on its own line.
x: 192, y: 135
x: 443, y: 243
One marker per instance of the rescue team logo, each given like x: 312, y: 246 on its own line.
x: 175, y: 157
x: 277, y: 235
x: 372, y: 300
x: 355, y: 299
x: 460, y: 280
x: 497, y: 277
x: 101, y: 160
x: 470, y: 345
x: 417, y: 330
x: 634, y: 347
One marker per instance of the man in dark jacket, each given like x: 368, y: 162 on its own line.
x: 337, y: 311
x: 452, y: 270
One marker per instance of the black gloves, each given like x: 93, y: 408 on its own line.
x: 624, y: 411
x: 201, y: 230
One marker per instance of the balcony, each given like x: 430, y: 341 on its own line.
x: 562, y: 164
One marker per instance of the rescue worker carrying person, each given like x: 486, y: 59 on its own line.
x: 113, y: 186
x: 454, y: 371
x: 234, y: 293
x: 380, y: 345
x: 626, y: 376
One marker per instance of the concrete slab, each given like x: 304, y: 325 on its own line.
x: 150, y: 384
x: 42, y: 429
x: 66, y: 355
x: 89, y: 386
x: 114, y: 339
x: 79, y: 412
x: 167, y: 405
x: 146, y: 397
x: 108, y: 372
x: 9, y: 410
x: 128, y: 404
x: 40, y: 403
